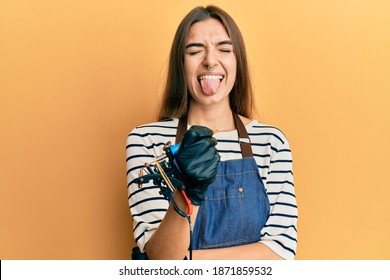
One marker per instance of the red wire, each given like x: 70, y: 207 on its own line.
x: 188, y: 202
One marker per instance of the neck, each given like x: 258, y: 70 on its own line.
x: 212, y: 117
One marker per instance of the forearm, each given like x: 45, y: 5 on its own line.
x: 172, y: 238
x: 254, y: 251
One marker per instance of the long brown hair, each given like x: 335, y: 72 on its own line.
x: 175, y: 96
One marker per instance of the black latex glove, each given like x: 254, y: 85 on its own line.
x: 197, y: 160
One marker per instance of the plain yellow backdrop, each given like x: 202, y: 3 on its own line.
x: 77, y: 76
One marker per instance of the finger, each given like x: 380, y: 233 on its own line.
x: 197, y: 148
x: 196, y: 133
x: 199, y: 168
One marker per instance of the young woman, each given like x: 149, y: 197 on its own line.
x: 242, y: 190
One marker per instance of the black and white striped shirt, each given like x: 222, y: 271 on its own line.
x: 271, y: 153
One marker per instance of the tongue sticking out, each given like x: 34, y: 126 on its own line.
x: 210, y: 86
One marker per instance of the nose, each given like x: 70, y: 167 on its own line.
x: 210, y: 59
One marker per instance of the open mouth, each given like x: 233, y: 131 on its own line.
x: 210, y: 83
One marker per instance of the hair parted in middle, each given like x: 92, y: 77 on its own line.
x: 175, y: 95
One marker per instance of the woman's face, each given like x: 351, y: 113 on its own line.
x: 209, y: 63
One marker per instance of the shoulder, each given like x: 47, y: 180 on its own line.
x: 259, y: 131
x: 151, y: 136
x: 167, y: 126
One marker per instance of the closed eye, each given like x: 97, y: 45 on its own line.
x: 193, y: 52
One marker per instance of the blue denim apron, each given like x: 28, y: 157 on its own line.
x: 236, y: 205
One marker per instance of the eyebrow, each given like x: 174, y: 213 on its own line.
x: 226, y: 42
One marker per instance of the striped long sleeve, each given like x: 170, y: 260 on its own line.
x: 280, y: 231
x: 146, y: 204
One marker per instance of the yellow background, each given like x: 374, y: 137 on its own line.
x: 77, y: 76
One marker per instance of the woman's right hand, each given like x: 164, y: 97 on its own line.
x: 197, y: 159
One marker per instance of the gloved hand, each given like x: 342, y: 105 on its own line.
x: 197, y: 159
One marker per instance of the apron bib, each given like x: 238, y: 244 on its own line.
x: 236, y: 205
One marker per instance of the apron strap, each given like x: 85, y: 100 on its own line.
x: 181, y: 129
x: 243, y: 138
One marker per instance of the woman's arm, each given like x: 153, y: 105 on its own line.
x: 172, y: 238
x: 280, y: 230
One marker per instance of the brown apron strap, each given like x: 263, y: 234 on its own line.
x: 181, y: 129
x: 243, y: 138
